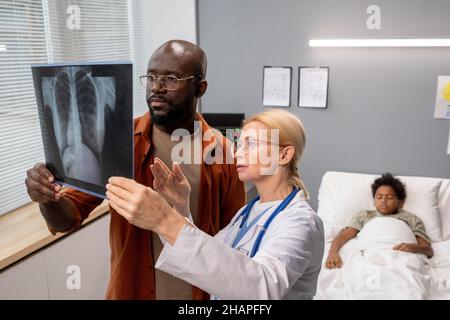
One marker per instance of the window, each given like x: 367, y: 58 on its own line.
x: 37, y: 31
x: 23, y: 43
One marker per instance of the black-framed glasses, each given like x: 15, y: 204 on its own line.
x: 167, y: 82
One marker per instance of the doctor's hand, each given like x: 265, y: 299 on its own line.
x: 172, y: 185
x: 333, y: 260
x: 144, y: 208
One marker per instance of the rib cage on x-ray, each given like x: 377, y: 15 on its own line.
x: 77, y: 103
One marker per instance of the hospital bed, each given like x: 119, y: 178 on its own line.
x: 371, y: 269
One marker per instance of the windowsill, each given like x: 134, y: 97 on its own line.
x: 24, y: 231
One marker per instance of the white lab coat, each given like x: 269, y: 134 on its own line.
x: 286, y: 265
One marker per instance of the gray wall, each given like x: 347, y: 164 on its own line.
x: 380, y: 101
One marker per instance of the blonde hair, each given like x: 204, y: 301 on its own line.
x: 291, y: 133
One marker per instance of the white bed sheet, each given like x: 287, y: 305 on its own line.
x: 372, y: 270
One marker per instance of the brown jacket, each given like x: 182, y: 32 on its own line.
x: 132, y: 266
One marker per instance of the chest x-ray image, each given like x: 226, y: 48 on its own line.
x: 86, y: 121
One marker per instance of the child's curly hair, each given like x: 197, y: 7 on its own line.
x: 388, y: 179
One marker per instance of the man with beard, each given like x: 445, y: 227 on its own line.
x: 175, y: 79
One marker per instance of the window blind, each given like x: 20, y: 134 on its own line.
x: 141, y: 51
x: 22, y: 43
x: 103, y: 33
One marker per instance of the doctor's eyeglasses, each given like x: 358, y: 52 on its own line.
x: 167, y: 82
x: 250, y: 144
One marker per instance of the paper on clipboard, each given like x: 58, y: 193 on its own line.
x: 313, y: 87
x: 277, y: 86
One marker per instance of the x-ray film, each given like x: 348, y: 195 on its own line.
x: 86, y: 118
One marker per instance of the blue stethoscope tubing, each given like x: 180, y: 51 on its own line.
x: 246, y: 212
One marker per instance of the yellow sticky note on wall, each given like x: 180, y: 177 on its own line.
x: 442, y: 107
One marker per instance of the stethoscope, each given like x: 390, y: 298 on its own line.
x: 246, y: 212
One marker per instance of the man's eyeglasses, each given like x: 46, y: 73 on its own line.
x: 167, y: 82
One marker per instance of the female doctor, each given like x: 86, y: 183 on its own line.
x: 272, y: 248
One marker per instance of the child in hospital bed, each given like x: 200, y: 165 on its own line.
x: 389, y: 196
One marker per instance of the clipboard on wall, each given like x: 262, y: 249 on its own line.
x: 277, y: 86
x: 313, y: 87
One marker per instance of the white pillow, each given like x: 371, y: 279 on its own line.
x: 349, y: 193
x: 354, y: 196
x: 422, y: 199
x: 335, y: 192
x: 444, y: 208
